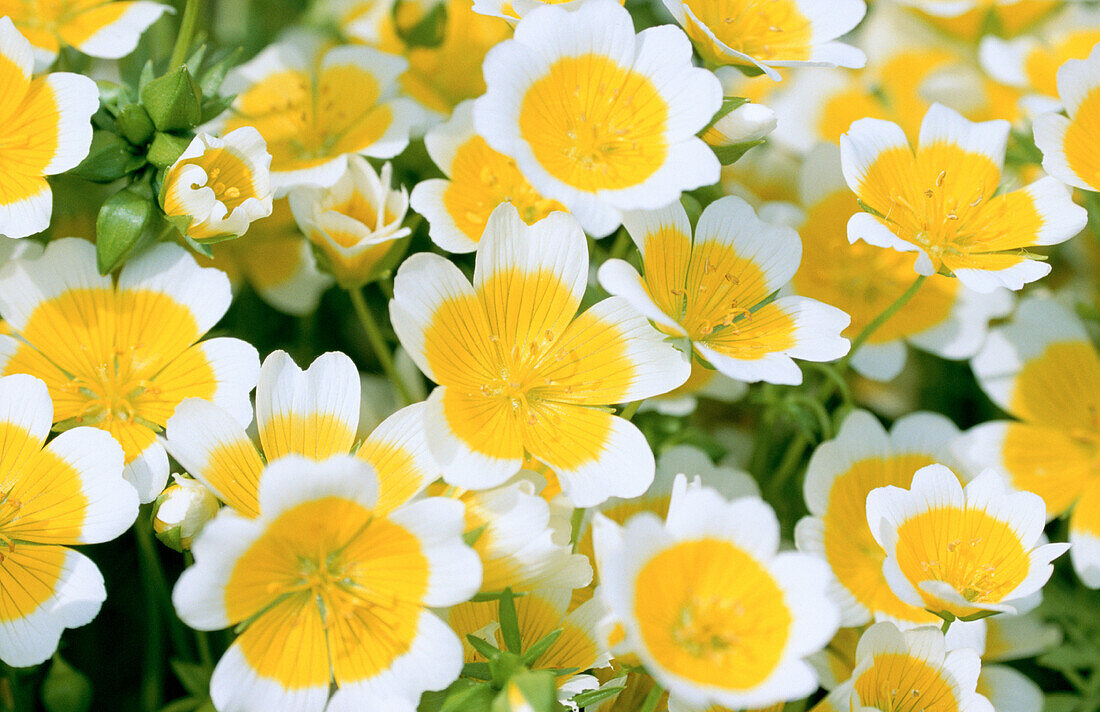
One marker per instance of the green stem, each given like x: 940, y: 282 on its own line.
x: 379, y: 345
x: 186, y: 34
x: 631, y: 409
x: 788, y: 465
x: 153, y: 573
x: 881, y: 319
x: 621, y: 245
x: 834, y: 379
x: 946, y: 625
x: 651, y: 700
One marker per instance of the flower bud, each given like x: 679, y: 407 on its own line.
x: 355, y: 223
x: 182, y: 510
x: 747, y: 123
x: 219, y: 186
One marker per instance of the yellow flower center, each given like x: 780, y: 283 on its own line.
x: 979, y: 556
x: 111, y: 394
x: 595, y: 125
x: 711, y: 613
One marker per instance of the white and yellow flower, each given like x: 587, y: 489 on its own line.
x: 478, y: 179
x: 46, y: 130
x: 276, y: 261
x: 941, y: 201
x: 520, y: 373
x: 313, y: 414
x: 841, y: 473
x: 121, y: 355
x: 523, y: 542
x: 596, y: 117
x: 355, y: 223
x: 690, y: 462
x: 898, y: 670
x: 219, y: 186
x: 1030, y: 63
x: 333, y: 592
x: 1042, y: 368
x: 900, y: 86
x: 961, y: 552
x: 98, y: 28
x: 315, y: 111
x: 513, y: 10
x: 707, y: 604
x: 766, y: 35
x: 715, y: 288
x: 944, y: 317
x: 1069, y: 144
x: 54, y: 495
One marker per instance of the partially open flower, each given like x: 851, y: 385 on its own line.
x: 182, y: 510
x: 219, y: 186
x: 355, y: 223
x: 746, y: 124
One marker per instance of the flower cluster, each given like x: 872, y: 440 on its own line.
x: 533, y: 356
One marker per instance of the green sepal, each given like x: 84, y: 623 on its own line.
x: 478, y: 671
x: 728, y: 155
x: 135, y: 124
x: 174, y: 101
x: 109, y: 158
x: 729, y: 103
x: 541, y: 646
x: 473, y: 535
x: 166, y: 149
x: 509, y: 622
x: 486, y: 648
x: 65, y: 689
x: 593, y: 697
x: 122, y: 220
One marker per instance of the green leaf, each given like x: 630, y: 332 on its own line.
x: 509, y: 622
x: 213, y: 107
x: 211, y: 80
x: 593, y: 697
x: 174, y: 101
x: 194, y: 677
x: 135, y: 124
x: 185, y: 704
x: 484, y: 647
x: 119, y: 226
x: 65, y: 688
x: 109, y: 158
x: 536, y: 651
x: 428, y: 31
x: 166, y: 149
